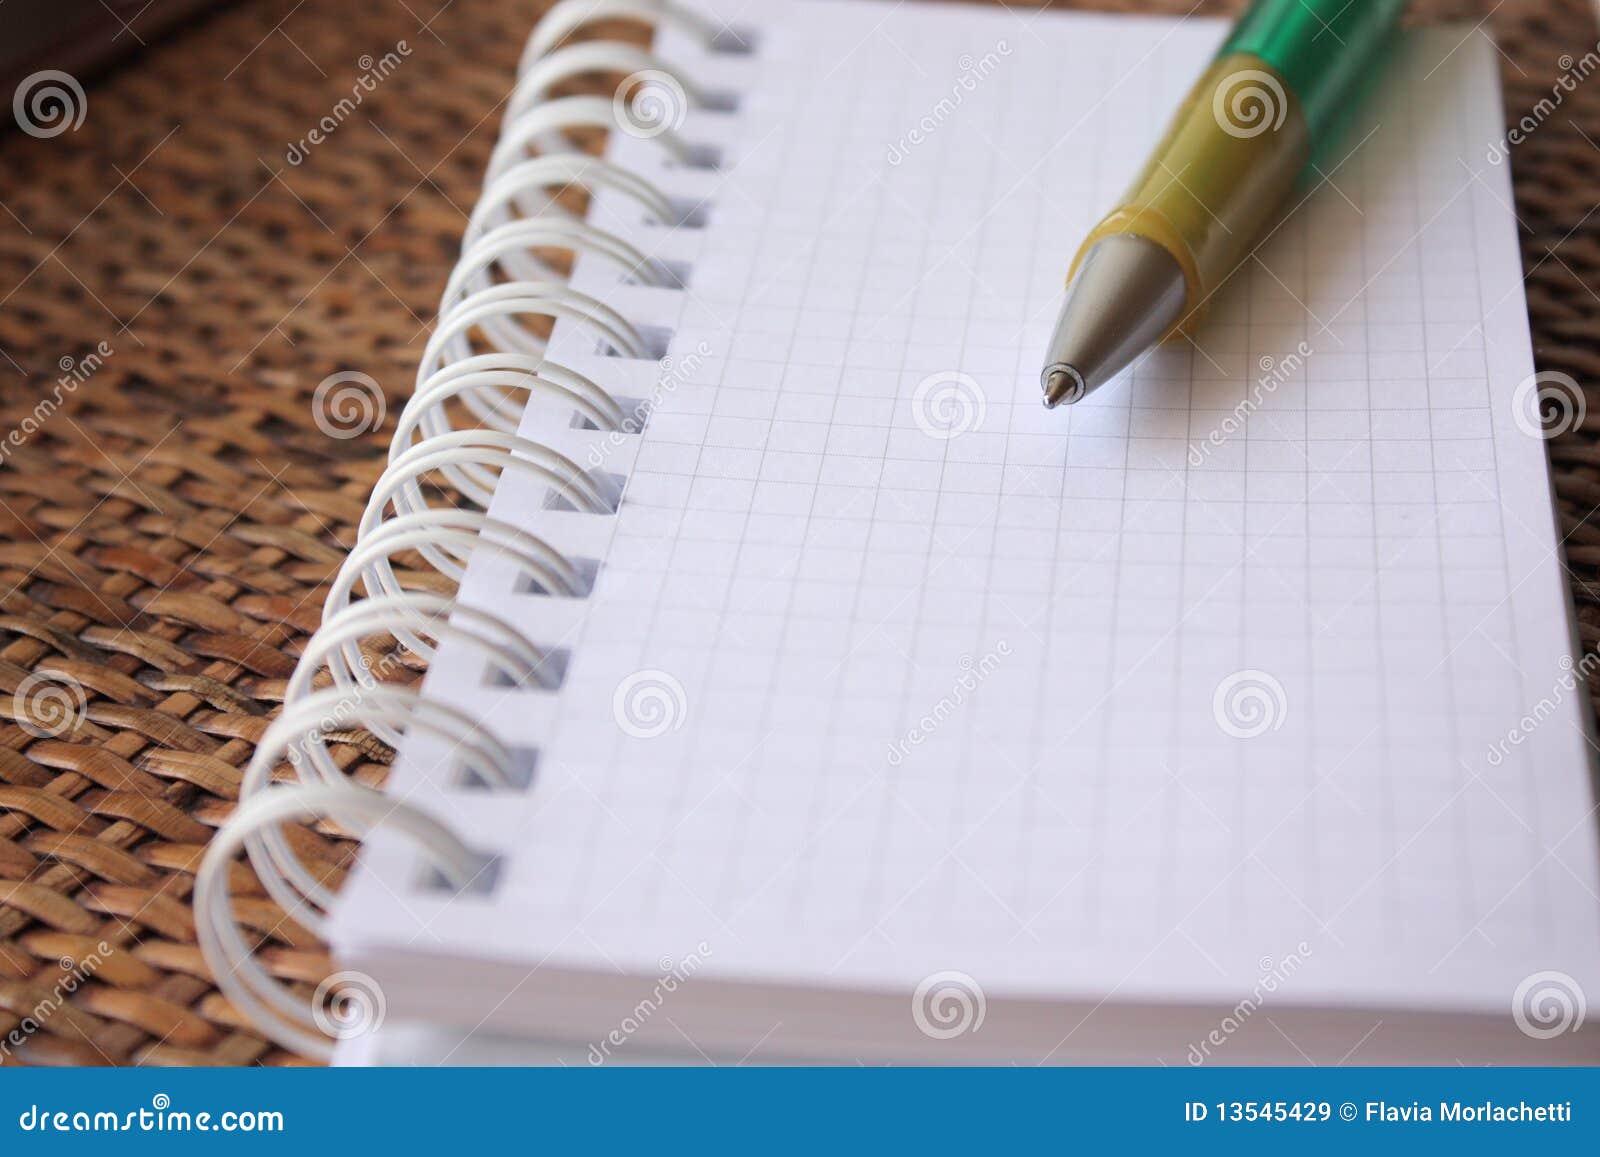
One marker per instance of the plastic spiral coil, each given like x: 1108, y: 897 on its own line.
x: 515, y: 216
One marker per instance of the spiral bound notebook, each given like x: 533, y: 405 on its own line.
x: 810, y: 692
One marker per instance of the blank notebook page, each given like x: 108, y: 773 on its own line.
x: 1263, y: 649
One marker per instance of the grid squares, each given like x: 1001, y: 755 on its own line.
x: 823, y: 577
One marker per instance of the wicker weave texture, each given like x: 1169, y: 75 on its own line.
x: 173, y: 504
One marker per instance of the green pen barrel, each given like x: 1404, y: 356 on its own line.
x: 1231, y: 157
x: 1320, y: 47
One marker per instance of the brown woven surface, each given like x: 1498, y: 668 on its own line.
x: 168, y: 533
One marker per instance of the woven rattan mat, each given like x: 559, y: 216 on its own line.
x: 168, y: 531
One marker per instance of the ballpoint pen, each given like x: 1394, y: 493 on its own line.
x: 1226, y: 166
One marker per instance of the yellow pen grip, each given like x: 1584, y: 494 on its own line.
x: 1226, y: 166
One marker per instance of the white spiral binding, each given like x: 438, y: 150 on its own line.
x: 447, y: 538
x: 510, y: 246
x: 503, y: 372
x: 492, y: 312
x: 539, y: 130
x: 569, y: 16
x: 579, y: 59
x: 274, y: 1008
x: 517, y: 216
x: 518, y: 188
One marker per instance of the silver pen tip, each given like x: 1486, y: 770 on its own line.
x: 1126, y: 295
x: 1063, y: 384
